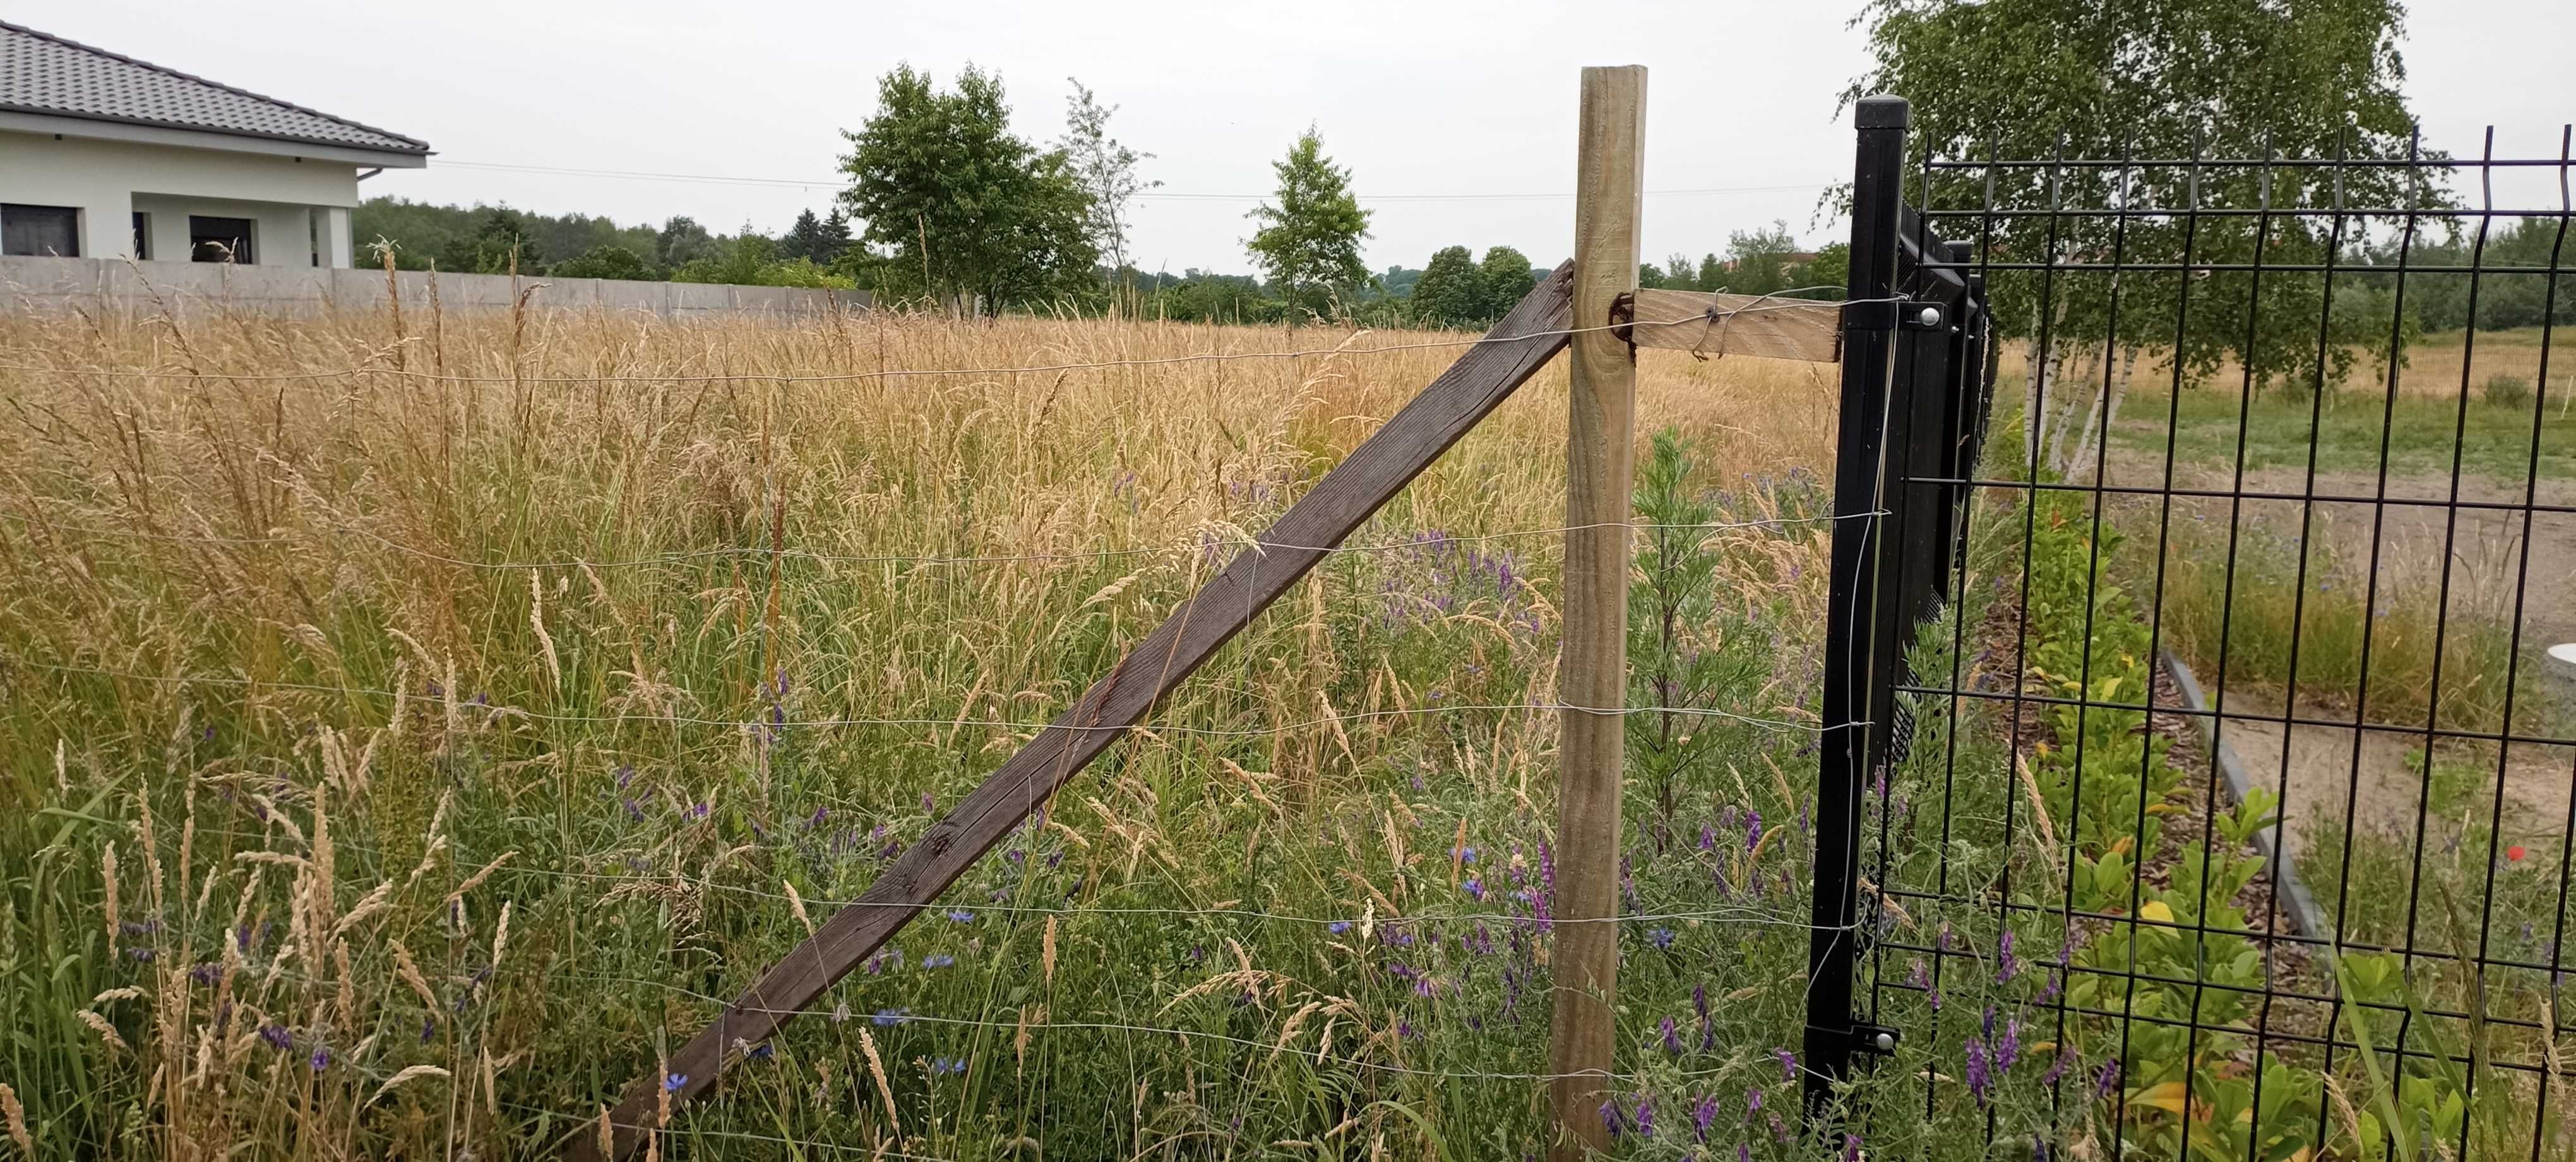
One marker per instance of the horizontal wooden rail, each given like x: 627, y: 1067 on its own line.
x: 1346, y: 497
x: 1718, y: 325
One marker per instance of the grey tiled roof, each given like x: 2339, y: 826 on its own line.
x: 40, y: 73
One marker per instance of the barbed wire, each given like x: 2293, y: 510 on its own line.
x: 1417, y: 542
x: 1713, y: 313
x: 1170, y: 1031
x: 1391, y: 921
x: 492, y: 711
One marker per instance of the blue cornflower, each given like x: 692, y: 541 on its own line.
x: 938, y: 960
x: 960, y: 915
x: 887, y: 1018
x: 1660, y: 937
x: 671, y: 1082
x: 1338, y: 927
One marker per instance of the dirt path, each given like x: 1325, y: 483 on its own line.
x: 2374, y: 777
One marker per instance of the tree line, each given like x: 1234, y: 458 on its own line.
x: 947, y: 205
x: 498, y: 240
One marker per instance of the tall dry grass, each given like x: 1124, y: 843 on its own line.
x: 410, y: 724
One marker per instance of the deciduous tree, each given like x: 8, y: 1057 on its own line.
x: 966, y: 207
x: 1309, y: 243
x: 1451, y: 290
x: 2218, y: 79
x: 1105, y: 169
x: 1506, y: 277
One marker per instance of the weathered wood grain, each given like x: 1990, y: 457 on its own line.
x: 1469, y: 390
x: 1720, y: 325
x: 1592, y: 674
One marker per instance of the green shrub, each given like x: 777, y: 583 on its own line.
x: 608, y: 262
x: 2506, y: 390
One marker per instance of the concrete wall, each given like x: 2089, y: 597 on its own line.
x: 109, y: 180
x: 60, y: 283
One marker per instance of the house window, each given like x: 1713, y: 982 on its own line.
x: 53, y: 230
x: 220, y: 240
x: 142, y: 235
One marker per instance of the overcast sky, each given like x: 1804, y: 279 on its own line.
x: 1455, y: 120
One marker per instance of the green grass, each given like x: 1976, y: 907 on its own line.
x: 2421, y: 432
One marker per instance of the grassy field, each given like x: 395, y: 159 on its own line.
x: 408, y: 732
x: 394, y: 764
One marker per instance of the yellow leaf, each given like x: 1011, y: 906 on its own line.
x: 2122, y: 847
x: 2162, y: 809
x: 2170, y: 1096
x: 2157, y: 911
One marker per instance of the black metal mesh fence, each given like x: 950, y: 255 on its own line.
x: 2224, y: 806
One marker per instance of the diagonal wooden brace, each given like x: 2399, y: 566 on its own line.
x: 1346, y: 497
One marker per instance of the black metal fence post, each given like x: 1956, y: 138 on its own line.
x: 1849, y: 745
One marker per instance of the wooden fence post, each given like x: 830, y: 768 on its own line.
x: 1592, y: 676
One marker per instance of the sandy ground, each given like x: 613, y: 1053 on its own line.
x: 2329, y: 773
x: 2378, y: 789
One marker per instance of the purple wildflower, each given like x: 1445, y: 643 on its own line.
x: 1978, y: 1080
x: 1475, y: 889
x: 1752, y: 830
x: 2102, y: 1083
x: 1660, y: 937
x: 1610, y: 1119
x: 1672, y: 1037
x: 1851, y: 1144
x: 277, y: 1037
x: 1702, y: 1115
x: 1788, y: 1064
x: 2056, y: 1069
x: 1645, y: 1120
x: 2008, y: 1048
x: 321, y: 1058
x: 2006, y: 966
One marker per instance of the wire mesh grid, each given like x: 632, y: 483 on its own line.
x: 2234, y: 821
x: 657, y: 850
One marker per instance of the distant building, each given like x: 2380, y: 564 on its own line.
x: 105, y: 156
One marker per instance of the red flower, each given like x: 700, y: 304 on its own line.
x: 2514, y: 853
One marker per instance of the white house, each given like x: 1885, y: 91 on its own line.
x: 105, y: 156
